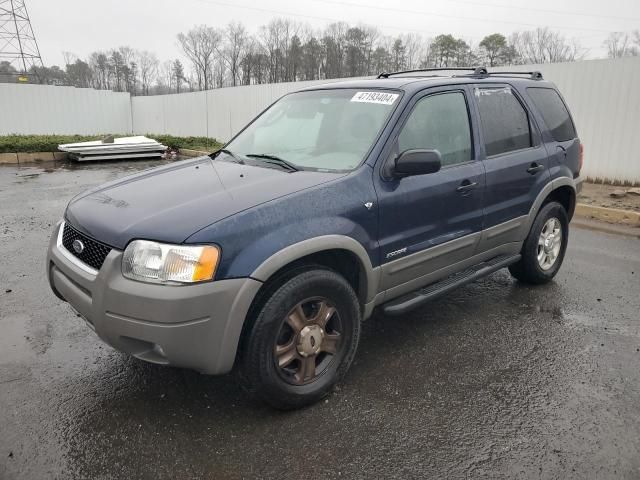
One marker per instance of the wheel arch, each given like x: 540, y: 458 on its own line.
x: 565, y: 195
x: 562, y: 190
x: 340, y: 253
x: 335, y: 252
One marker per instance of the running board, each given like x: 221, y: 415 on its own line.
x: 435, y: 290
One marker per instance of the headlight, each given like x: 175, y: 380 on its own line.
x: 161, y: 263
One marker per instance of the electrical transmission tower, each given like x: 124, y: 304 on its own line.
x: 18, y: 45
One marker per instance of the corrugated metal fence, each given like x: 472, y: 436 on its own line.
x: 43, y: 109
x: 604, y: 97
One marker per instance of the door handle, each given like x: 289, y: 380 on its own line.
x: 535, y: 168
x: 466, y: 185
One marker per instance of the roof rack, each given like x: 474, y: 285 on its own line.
x: 477, y: 72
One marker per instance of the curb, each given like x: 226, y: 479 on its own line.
x: 598, y: 226
x: 31, y: 157
x: 187, y: 152
x: 609, y: 215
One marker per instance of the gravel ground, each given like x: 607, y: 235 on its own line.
x: 599, y: 195
x: 498, y: 380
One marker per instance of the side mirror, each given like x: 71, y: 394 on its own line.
x: 417, y: 162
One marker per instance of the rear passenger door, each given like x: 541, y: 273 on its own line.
x: 559, y: 136
x: 515, y: 162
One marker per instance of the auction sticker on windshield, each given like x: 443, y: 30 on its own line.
x: 375, y: 97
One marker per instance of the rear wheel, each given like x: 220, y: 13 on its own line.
x: 303, y: 340
x: 543, y: 250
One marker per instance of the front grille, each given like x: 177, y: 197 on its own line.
x: 94, y: 252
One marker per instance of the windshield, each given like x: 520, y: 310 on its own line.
x: 319, y: 129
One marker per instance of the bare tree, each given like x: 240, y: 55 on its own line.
x: 200, y: 45
x: 219, y: 73
x: 148, y: 70
x: 99, y: 64
x: 177, y: 75
x: 69, y: 57
x: 545, y: 46
x: 413, y: 49
x: 620, y: 44
x: 164, y: 78
x: 128, y: 54
x: 234, y: 50
x: 334, y: 40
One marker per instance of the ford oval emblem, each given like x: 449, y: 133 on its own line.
x: 78, y: 246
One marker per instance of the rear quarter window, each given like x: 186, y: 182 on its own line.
x: 554, y: 113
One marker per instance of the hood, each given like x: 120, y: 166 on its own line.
x: 170, y: 203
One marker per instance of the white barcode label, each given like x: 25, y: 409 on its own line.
x: 383, y: 98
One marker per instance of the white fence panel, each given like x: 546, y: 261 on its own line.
x: 182, y: 114
x: 46, y: 109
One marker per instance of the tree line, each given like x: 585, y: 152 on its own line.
x: 284, y: 50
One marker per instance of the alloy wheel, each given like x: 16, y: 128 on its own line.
x: 549, y: 243
x: 308, y: 341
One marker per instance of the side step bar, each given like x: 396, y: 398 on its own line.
x: 435, y: 290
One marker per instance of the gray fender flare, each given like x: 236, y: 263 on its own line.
x: 319, y: 244
x: 544, y: 193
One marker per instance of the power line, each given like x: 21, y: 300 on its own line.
x: 315, y: 17
x: 544, y: 10
x: 390, y: 27
x: 457, y: 17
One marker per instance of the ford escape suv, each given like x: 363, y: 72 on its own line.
x: 336, y: 200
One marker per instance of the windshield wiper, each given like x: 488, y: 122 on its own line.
x: 274, y: 160
x: 231, y: 154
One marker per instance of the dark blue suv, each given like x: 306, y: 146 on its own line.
x: 336, y: 200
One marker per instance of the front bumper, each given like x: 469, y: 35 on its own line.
x: 192, y: 326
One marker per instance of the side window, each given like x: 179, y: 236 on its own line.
x: 439, y: 122
x: 505, y: 124
x: 554, y: 113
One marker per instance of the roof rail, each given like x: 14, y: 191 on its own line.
x: 477, y: 72
x: 535, y: 75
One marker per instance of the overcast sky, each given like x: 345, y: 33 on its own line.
x: 83, y: 26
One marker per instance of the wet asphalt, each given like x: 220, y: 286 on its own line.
x: 498, y: 380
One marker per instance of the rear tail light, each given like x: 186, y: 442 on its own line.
x: 581, y: 158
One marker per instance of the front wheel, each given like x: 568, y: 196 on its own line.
x: 543, y: 250
x: 303, y: 340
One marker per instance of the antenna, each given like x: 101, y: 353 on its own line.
x: 18, y: 45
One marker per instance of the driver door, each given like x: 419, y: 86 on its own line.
x: 428, y: 222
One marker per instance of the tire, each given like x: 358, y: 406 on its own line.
x: 288, y: 359
x: 530, y: 269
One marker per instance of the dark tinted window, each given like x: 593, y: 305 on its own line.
x: 439, y: 122
x: 554, y: 113
x: 505, y: 124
